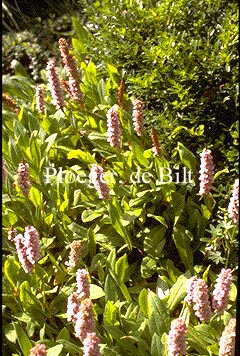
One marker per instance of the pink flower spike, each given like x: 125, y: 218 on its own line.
x: 190, y: 290
x: 22, y: 253
x: 82, y: 283
x: 91, y: 345
x: 55, y: 85
x: 31, y: 241
x: 227, y: 340
x: 221, y: 290
x: 38, y: 350
x: 137, y: 116
x: 85, y: 322
x: 113, y: 124
x: 206, y: 172
x: 177, y: 338
x: 73, y: 307
x: 23, y: 177
x: 201, y: 301
x: 40, y: 99
x: 99, y: 183
x: 233, y: 206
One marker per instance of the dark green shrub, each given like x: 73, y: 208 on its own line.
x: 180, y: 58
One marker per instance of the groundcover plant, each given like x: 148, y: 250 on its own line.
x: 110, y: 245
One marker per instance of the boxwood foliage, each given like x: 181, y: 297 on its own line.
x: 180, y: 57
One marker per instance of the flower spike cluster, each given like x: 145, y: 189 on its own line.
x: 206, y: 172
x: 55, y: 85
x: 99, y: 183
x: 23, y: 177
x: 137, y: 116
x: 28, y: 248
x: 71, y: 70
x: 227, y: 340
x: 221, y: 290
x: 80, y: 312
x: 38, y: 350
x: 234, y: 203
x: 113, y: 124
x: 177, y: 338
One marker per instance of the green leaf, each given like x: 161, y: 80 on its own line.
x: 64, y: 334
x: 156, y: 345
x: 23, y: 340
x: 36, y: 197
x: 96, y: 292
x: 187, y: 157
x: 122, y: 268
x: 143, y: 302
x: 83, y: 156
x: 55, y: 350
x: 177, y: 292
x: 115, y: 214
x: 183, y: 246
x: 154, y: 241
x: 178, y: 203
x: 159, y: 319
x: 11, y: 270
x: 90, y: 215
x: 139, y: 155
x: 23, y: 295
x: 70, y: 347
x: 148, y: 266
x: 194, y: 339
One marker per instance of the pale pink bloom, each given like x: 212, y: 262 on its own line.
x: 12, y: 233
x: 227, y: 340
x: 91, y: 345
x: 201, y: 301
x: 221, y: 290
x: 113, y: 124
x: 74, y: 255
x: 82, y: 283
x: 206, y: 172
x: 23, y: 177
x: 28, y: 248
x: 31, y: 241
x: 73, y: 307
x: 190, y: 290
x: 71, y: 70
x: 55, y: 85
x: 40, y: 99
x: 85, y: 322
x: 177, y: 338
x: 99, y: 183
x: 38, y: 350
x: 22, y: 253
x: 234, y: 203
x: 137, y: 116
